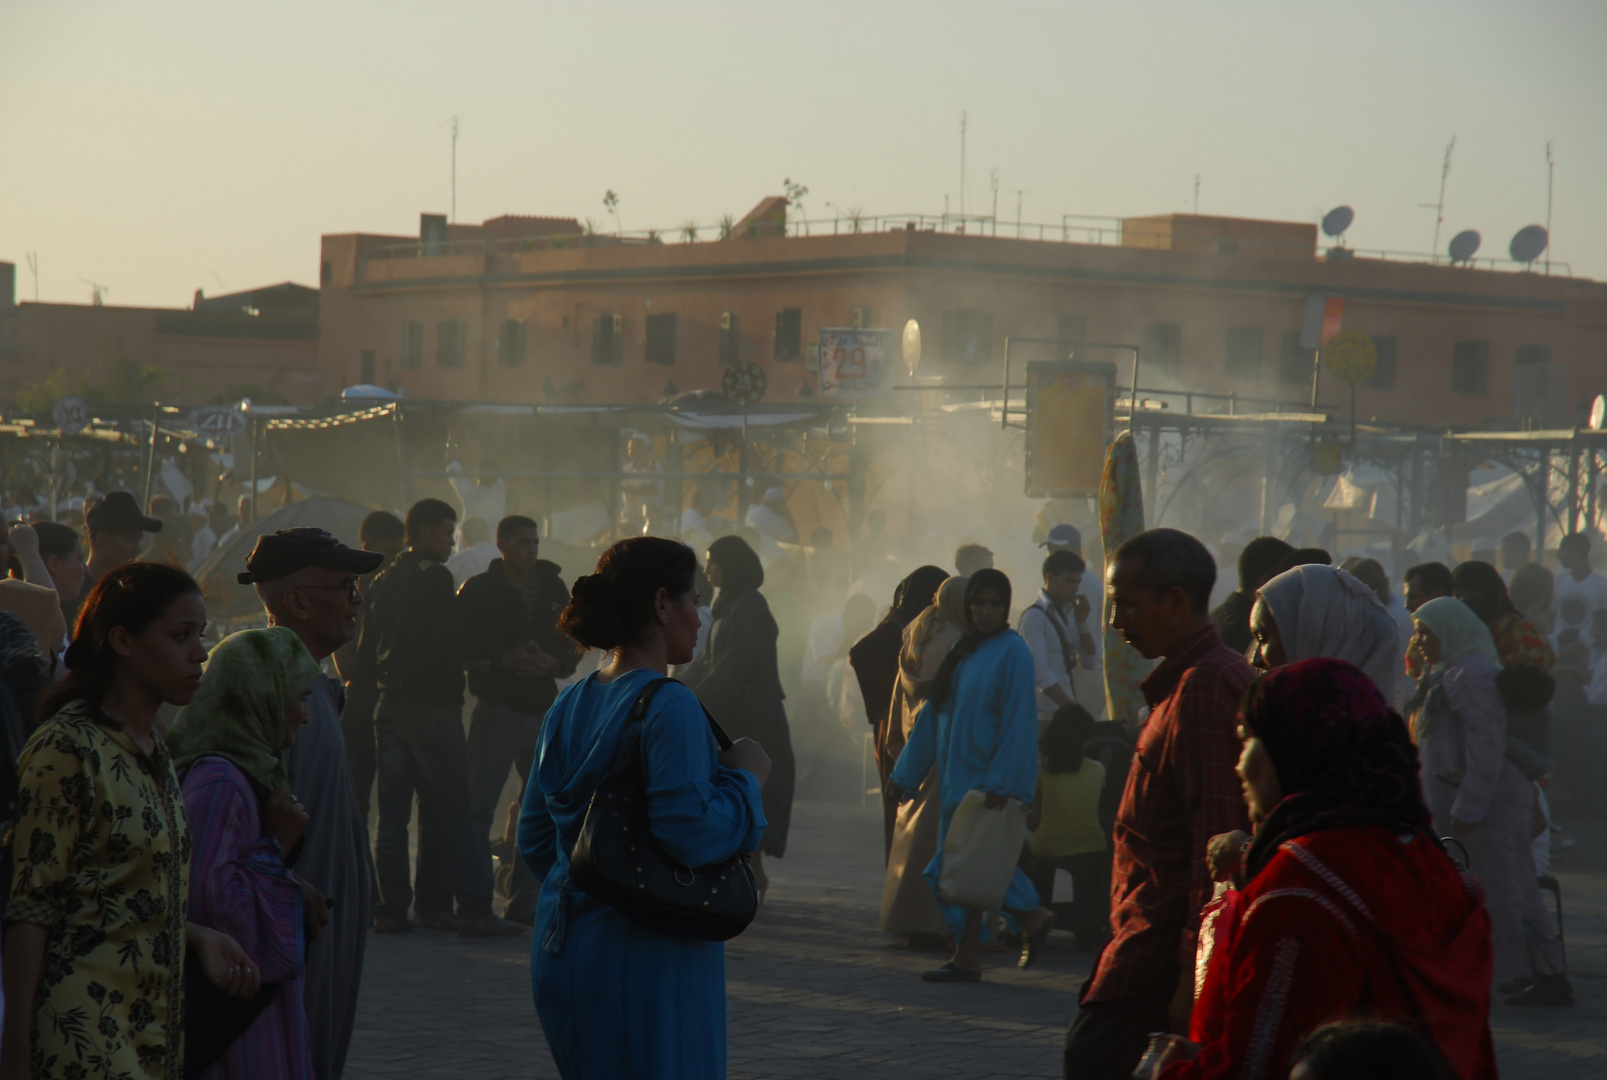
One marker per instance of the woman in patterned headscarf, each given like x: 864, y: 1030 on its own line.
x: 228, y: 745
x: 1350, y: 898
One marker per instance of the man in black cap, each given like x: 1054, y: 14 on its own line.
x: 412, y: 644
x: 310, y: 582
x: 116, y: 528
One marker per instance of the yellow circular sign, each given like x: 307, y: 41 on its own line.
x: 1350, y: 356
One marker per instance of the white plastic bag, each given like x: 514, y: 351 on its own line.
x: 981, y: 852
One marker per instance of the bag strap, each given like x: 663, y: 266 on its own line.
x: 638, y: 712
x: 1066, y: 655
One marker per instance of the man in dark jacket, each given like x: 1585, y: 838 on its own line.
x: 514, y: 653
x: 412, y: 646
x: 1259, y: 562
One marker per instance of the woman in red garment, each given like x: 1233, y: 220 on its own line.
x: 1352, y: 909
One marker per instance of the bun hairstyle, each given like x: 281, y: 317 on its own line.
x: 613, y: 605
x: 131, y: 596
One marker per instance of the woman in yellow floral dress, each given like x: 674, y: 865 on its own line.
x: 94, y: 971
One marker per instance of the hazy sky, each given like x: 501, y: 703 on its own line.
x: 162, y: 146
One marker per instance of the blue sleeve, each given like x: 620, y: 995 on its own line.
x: 700, y: 811
x: 538, y: 834
x: 1014, y: 768
x: 920, y: 750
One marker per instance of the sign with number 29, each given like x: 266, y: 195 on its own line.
x: 852, y: 362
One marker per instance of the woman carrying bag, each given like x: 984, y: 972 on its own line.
x: 980, y: 728
x: 617, y: 997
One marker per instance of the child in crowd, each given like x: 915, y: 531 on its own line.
x: 1066, y: 830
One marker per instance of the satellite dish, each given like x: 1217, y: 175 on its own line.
x: 1529, y: 242
x: 1464, y: 244
x: 1598, y: 412
x: 1338, y: 220
x: 911, y: 346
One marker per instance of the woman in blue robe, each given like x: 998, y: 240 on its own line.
x: 980, y: 728
x: 615, y: 998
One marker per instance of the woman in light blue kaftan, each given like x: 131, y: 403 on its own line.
x: 980, y: 728
x: 616, y: 999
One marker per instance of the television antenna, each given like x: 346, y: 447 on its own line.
x: 962, y: 165
x: 453, y: 124
x: 1439, y: 207
x: 97, y: 295
x: 33, y: 267
x: 1196, y: 194
x: 1551, y: 168
x: 994, y: 178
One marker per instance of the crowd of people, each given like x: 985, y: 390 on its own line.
x: 1335, y: 795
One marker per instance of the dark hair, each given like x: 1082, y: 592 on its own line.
x: 1531, y: 582
x: 1525, y: 687
x: 613, y: 604
x: 740, y: 568
x: 917, y: 592
x: 1512, y: 539
x: 972, y: 556
x: 1575, y: 540
x: 1066, y: 739
x: 1432, y: 575
x: 1370, y: 572
x: 1369, y: 1050
x: 1171, y: 559
x: 427, y: 514
x: 984, y: 580
x: 1260, y: 560
x: 56, y: 540
x: 1478, y: 585
x: 1063, y: 561
x: 513, y: 523
x: 131, y: 596
x: 381, y: 525
x: 1311, y: 556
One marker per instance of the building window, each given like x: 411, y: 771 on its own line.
x: 1073, y: 335
x: 1244, y: 352
x: 607, y: 338
x: 1294, y: 360
x: 661, y: 339
x: 730, y: 339
x: 789, y: 335
x: 1539, y: 386
x: 1163, y: 347
x: 449, y: 343
x: 367, y: 370
x: 967, y: 336
x: 1383, y: 376
x: 412, y: 344
x: 1470, y: 367
x: 511, y: 343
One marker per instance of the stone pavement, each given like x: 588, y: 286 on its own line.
x: 816, y: 992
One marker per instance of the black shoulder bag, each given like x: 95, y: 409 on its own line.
x: 617, y: 860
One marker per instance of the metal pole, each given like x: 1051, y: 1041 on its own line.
x: 256, y: 438
x: 1542, y: 498
x: 150, y: 465
x: 1316, y: 373
x: 405, y: 478
x: 1004, y: 391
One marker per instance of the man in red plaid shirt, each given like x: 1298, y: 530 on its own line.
x: 1181, y: 791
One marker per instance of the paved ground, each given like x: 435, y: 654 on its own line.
x: 815, y: 991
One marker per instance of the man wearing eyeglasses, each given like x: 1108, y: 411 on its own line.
x: 310, y: 582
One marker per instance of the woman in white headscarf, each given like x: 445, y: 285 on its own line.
x: 907, y: 903
x: 1315, y: 610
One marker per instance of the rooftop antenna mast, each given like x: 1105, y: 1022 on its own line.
x: 97, y: 295
x: 454, y: 123
x: 1196, y: 194
x: 33, y: 266
x: 995, y: 179
x: 1551, y: 168
x: 1439, y: 207
x: 962, y: 168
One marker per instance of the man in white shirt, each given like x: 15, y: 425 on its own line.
x: 1065, y: 537
x: 481, y: 497
x: 1576, y: 578
x: 1516, y: 551
x: 1056, y: 630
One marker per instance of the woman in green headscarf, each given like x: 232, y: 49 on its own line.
x: 228, y: 746
x: 1479, y: 797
